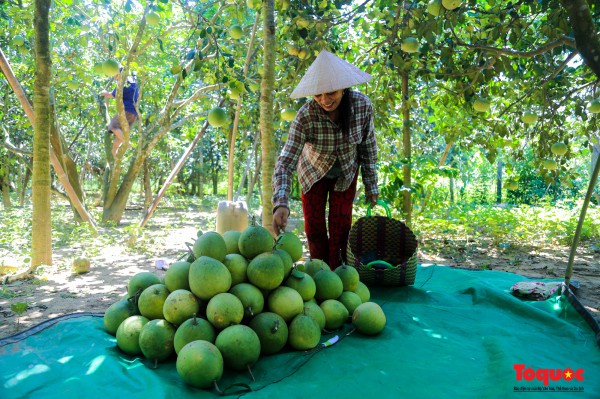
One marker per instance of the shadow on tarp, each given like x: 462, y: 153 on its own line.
x: 454, y: 334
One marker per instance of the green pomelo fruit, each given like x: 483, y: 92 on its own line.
x: 312, y: 266
x: 349, y: 276
x: 140, y: 281
x: 303, y: 283
x: 152, y: 300
x: 224, y: 310
x: 288, y: 114
x: 369, y: 318
x: 177, y: 276
x: 304, y: 332
x: 209, y: 277
x: 335, y: 312
x: 265, y: 271
x: 200, y: 364
x: 594, y: 106
x: 272, y: 332
x: 217, y: 117
x: 286, y: 302
x: 559, y: 149
x: 435, y: 7
x: 193, y: 329
x: 410, y: 45
x: 255, y: 240
x: 237, y: 266
x: 211, y: 244
x: 363, y: 292
x: 73, y: 85
x: 329, y: 285
x: 157, y: 340
x: 128, y: 334
x: 98, y: 68
x: 240, y: 347
x: 110, y: 67
x: 512, y: 185
x: 117, y: 312
x: 176, y: 69
x: 451, y: 4
x: 291, y: 244
x: 481, y: 105
x: 550, y: 164
x: 286, y: 259
x: 236, y: 32
x: 350, y: 300
x: 179, y: 306
x: 529, y: 117
x: 232, y: 237
x: 18, y: 40
x: 152, y: 18
x: 314, y: 310
x: 251, y: 297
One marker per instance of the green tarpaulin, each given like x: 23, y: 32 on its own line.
x: 454, y: 334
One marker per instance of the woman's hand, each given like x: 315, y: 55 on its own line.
x: 372, y: 198
x: 280, y: 218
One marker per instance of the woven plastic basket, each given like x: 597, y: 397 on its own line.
x: 383, y: 250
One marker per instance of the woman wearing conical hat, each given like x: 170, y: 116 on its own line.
x: 331, y: 138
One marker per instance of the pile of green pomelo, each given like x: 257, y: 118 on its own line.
x: 239, y: 295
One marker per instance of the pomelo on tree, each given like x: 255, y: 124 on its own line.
x: 302, y: 53
x: 451, y: 4
x: 303, y: 283
x: 157, y: 340
x: 288, y: 114
x: 200, y: 364
x: 254, y: 4
x: 232, y: 238
x: 272, y: 331
x: 140, y: 281
x: 128, y: 334
x: 117, y: 312
x: 193, y: 329
x: 335, y: 312
x: 177, y: 276
x: 550, y: 164
x: 559, y: 149
x: 80, y: 265
x: 152, y: 300
x: 98, y: 68
x: 304, y: 332
x: 237, y: 266
x: 314, y: 310
x: 529, y: 117
x: 239, y: 345
x: 72, y: 84
x: 435, y: 7
x: 110, y: 67
x: 349, y: 276
x: 255, y: 240
x: 481, y: 105
x: 179, y: 306
x: 217, y: 117
x: 328, y: 285
x: 211, y: 244
x: 236, y: 32
x: 409, y: 45
x: 265, y: 271
x: 251, y: 297
x: 209, y: 277
x: 152, y: 18
x: 18, y: 40
x: 286, y: 302
x: 369, y: 318
x: 224, y: 310
x: 594, y: 106
x: 292, y: 49
x: 175, y: 69
x: 291, y: 244
x: 512, y: 185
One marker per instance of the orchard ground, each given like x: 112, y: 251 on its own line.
x: 55, y: 290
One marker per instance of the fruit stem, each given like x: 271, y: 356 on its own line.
x: 217, y: 387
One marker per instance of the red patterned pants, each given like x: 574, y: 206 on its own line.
x: 329, y: 248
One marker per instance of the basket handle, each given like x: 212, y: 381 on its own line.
x: 378, y: 264
x: 383, y: 204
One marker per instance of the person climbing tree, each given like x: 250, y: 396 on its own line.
x: 130, y: 98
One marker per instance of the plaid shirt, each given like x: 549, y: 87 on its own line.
x: 315, y: 142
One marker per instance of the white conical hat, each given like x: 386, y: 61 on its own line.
x: 329, y: 73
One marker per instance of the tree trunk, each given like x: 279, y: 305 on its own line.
x: 5, y: 181
x: 268, y: 147
x: 200, y: 173
x: 499, y: 167
x: 407, y: 203
x: 41, y: 237
x: 595, y: 156
x: 451, y: 188
x: 147, y: 185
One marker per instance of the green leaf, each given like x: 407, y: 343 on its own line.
x: 19, y: 307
